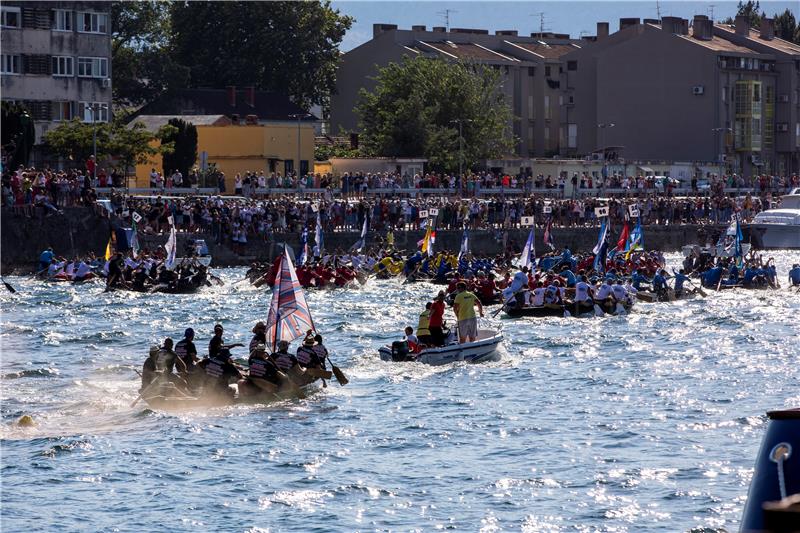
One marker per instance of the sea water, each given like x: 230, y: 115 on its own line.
x: 646, y: 422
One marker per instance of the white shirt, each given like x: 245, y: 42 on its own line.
x: 581, y: 291
x: 619, y: 292
x: 519, y: 281
x: 82, y: 270
x: 538, y: 296
x: 604, y: 291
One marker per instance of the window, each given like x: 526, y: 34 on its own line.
x: 63, y: 66
x: 546, y: 71
x: 560, y: 99
x: 572, y: 65
x: 756, y: 92
x: 11, y: 17
x: 572, y: 135
x: 10, y: 64
x: 92, y: 67
x: 531, y: 109
x: 62, y: 20
x: 85, y: 111
x: 724, y: 94
x: 93, y: 22
x: 531, y: 71
x: 63, y: 111
x: 547, y: 108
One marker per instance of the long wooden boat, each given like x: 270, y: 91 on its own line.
x: 555, y: 310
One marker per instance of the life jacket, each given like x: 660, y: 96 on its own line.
x: 320, y: 352
x: 264, y: 369
x: 283, y: 360
x: 424, y: 323
x: 215, y: 368
x: 305, y: 355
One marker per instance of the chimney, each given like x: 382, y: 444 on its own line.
x: 510, y: 33
x: 469, y: 30
x: 671, y: 24
x: 379, y: 28
x: 628, y: 22
x: 684, y: 26
x: 418, y: 28
x: 602, y: 30
x: 742, y: 25
x: 651, y: 21
x: 231, y: 95
x: 250, y: 96
x: 439, y: 29
x: 767, y: 29
x: 702, y: 28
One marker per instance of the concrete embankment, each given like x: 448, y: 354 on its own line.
x: 79, y: 231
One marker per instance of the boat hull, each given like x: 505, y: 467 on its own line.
x: 482, y: 350
x: 774, y: 236
x: 557, y: 310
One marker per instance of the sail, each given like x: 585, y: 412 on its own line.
x: 289, y: 317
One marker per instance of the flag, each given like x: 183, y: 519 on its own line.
x: 303, y: 247
x: 172, y: 248
x: 623, y: 237
x: 635, y: 240
x: 602, y: 237
x: 432, y: 242
x: 548, y: 234
x: 108, y: 250
x: 529, y: 251
x: 738, y: 253
x: 600, y: 258
x: 426, y: 243
x: 318, y: 246
x: 361, y: 242
x: 289, y: 317
x: 464, y: 244
x: 134, y: 242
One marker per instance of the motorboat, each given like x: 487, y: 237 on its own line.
x: 483, y: 349
x: 198, y: 251
x: 778, y: 228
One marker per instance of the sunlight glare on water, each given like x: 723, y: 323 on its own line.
x: 644, y: 422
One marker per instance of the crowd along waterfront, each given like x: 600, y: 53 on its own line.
x: 648, y: 421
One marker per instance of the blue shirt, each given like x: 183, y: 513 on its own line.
x: 680, y: 279
x: 637, y: 279
x: 571, y: 280
x: 712, y: 276
x: 794, y: 275
x: 46, y: 257
x: 659, y: 282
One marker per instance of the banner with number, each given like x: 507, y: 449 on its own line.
x: 423, y: 214
x: 633, y: 210
x: 527, y: 221
x: 547, y: 209
x: 433, y: 212
x: 601, y: 211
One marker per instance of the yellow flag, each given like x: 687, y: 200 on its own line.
x: 108, y: 250
x: 426, y: 242
x: 390, y: 238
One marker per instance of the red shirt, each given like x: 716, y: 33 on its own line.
x: 437, y: 312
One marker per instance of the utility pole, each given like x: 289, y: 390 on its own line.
x: 540, y: 14
x: 299, y: 117
x: 658, y: 10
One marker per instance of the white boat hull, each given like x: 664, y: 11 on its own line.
x: 483, y: 349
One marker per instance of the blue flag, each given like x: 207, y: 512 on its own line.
x: 303, y: 248
x: 528, y: 256
x: 601, y: 248
x: 464, y: 244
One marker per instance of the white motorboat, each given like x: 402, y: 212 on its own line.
x: 778, y: 228
x: 482, y: 350
x: 199, y: 252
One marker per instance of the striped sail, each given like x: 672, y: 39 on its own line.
x: 289, y: 317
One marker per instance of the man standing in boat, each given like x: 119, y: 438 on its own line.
x: 436, y: 324
x: 464, y: 309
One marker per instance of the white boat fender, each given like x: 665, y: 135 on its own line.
x: 598, y: 311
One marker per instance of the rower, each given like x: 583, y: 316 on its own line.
x: 680, y: 279
x: 219, y: 370
x: 149, y: 368
x: 583, y: 292
x: 165, y: 362
x: 283, y: 359
x: 552, y: 294
x: 46, y: 258
x: 660, y: 282
x: 187, y: 351
x: 794, y: 275
x: 216, y: 343
x: 259, y: 335
x: 263, y: 374
x: 619, y: 292
x: 538, y: 295
x: 423, y: 333
x: 436, y: 323
x: 306, y: 356
x: 604, y: 293
x: 464, y: 308
x: 637, y: 279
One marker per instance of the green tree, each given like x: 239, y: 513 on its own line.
x: 140, y: 52
x: 74, y: 140
x: 786, y: 26
x: 18, y: 134
x: 184, y: 154
x: 751, y: 10
x: 416, y: 107
x: 285, y: 47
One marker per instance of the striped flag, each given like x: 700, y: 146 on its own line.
x: 548, y: 234
x: 464, y: 244
x: 528, y: 256
x: 289, y: 317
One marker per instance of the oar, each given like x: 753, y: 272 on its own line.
x: 700, y: 290
x: 505, y: 304
x: 340, y: 377
x: 11, y: 289
x: 141, y: 394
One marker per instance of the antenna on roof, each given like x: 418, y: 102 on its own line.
x: 446, y: 15
x: 711, y: 11
x: 658, y: 10
x: 540, y: 14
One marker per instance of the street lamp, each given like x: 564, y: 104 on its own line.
x: 460, y: 122
x: 299, y: 117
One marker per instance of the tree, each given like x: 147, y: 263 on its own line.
x: 134, y: 145
x: 18, y: 134
x: 416, y: 105
x: 74, y: 140
x: 285, y: 47
x: 750, y: 9
x: 140, y: 52
x: 184, y: 138
x: 786, y: 27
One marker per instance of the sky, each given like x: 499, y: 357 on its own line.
x: 560, y: 16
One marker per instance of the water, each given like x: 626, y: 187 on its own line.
x: 646, y: 422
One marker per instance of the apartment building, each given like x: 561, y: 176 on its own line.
x: 56, y: 61
x: 530, y: 67
x: 680, y: 90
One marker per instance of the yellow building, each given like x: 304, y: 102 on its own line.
x: 237, y: 131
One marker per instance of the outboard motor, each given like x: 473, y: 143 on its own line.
x: 400, y: 351
x: 770, y: 506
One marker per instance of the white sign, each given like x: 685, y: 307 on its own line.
x: 423, y: 214
x: 136, y: 217
x: 633, y: 210
x: 314, y: 208
x: 433, y: 212
x: 601, y: 211
x: 547, y: 209
x: 171, y: 220
x: 527, y: 221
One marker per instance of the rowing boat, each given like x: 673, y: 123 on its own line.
x: 556, y: 310
x: 668, y: 296
x: 483, y: 349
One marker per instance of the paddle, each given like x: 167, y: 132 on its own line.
x: 11, y: 289
x: 340, y: 377
x: 505, y: 304
x: 700, y: 290
x: 141, y: 394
